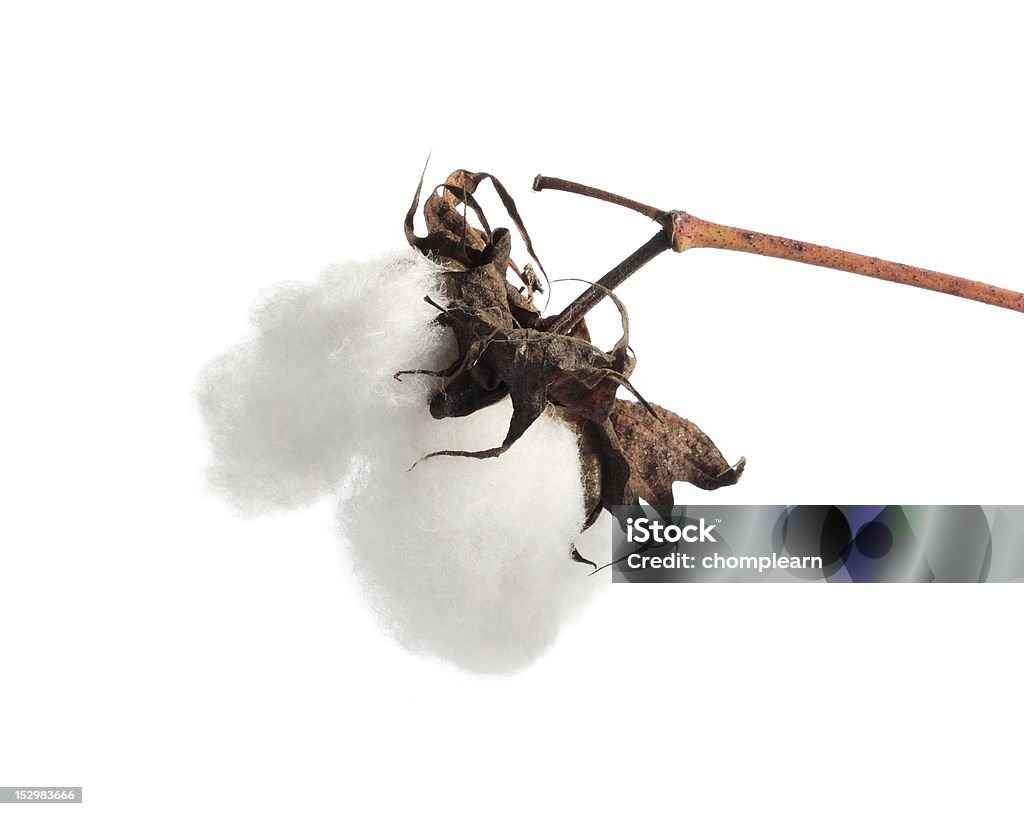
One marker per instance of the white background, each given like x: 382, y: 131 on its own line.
x: 161, y: 165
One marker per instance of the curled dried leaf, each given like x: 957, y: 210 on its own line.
x: 666, y: 450
x: 505, y: 348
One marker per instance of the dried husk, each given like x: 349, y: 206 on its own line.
x: 629, y: 450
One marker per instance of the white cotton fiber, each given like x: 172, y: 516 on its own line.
x: 462, y: 558
x: 285, y: 408
x: 469, y: 559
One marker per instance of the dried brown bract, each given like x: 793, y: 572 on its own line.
x: 507, y: 348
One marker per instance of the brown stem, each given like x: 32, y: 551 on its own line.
x: 686, y: 231
x: 549, y: 183
x: 597, y: 292
x: 690, y: 232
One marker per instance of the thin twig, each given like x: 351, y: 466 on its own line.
x: 684, y: 231
x: 549, y: 183
x: 574, y: 312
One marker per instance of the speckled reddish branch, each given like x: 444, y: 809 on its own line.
x: 690, y: 232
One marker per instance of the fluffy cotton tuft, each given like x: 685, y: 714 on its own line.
x: 469, y: 559
x: 286, y: 408
x: 462, y: 558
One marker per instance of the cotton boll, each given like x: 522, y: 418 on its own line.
x: 462, y: 558
x: 285, y: 408
x: 469, y: 559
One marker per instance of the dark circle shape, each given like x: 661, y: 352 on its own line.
x: 874, y: 540
x: 814, y: 530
